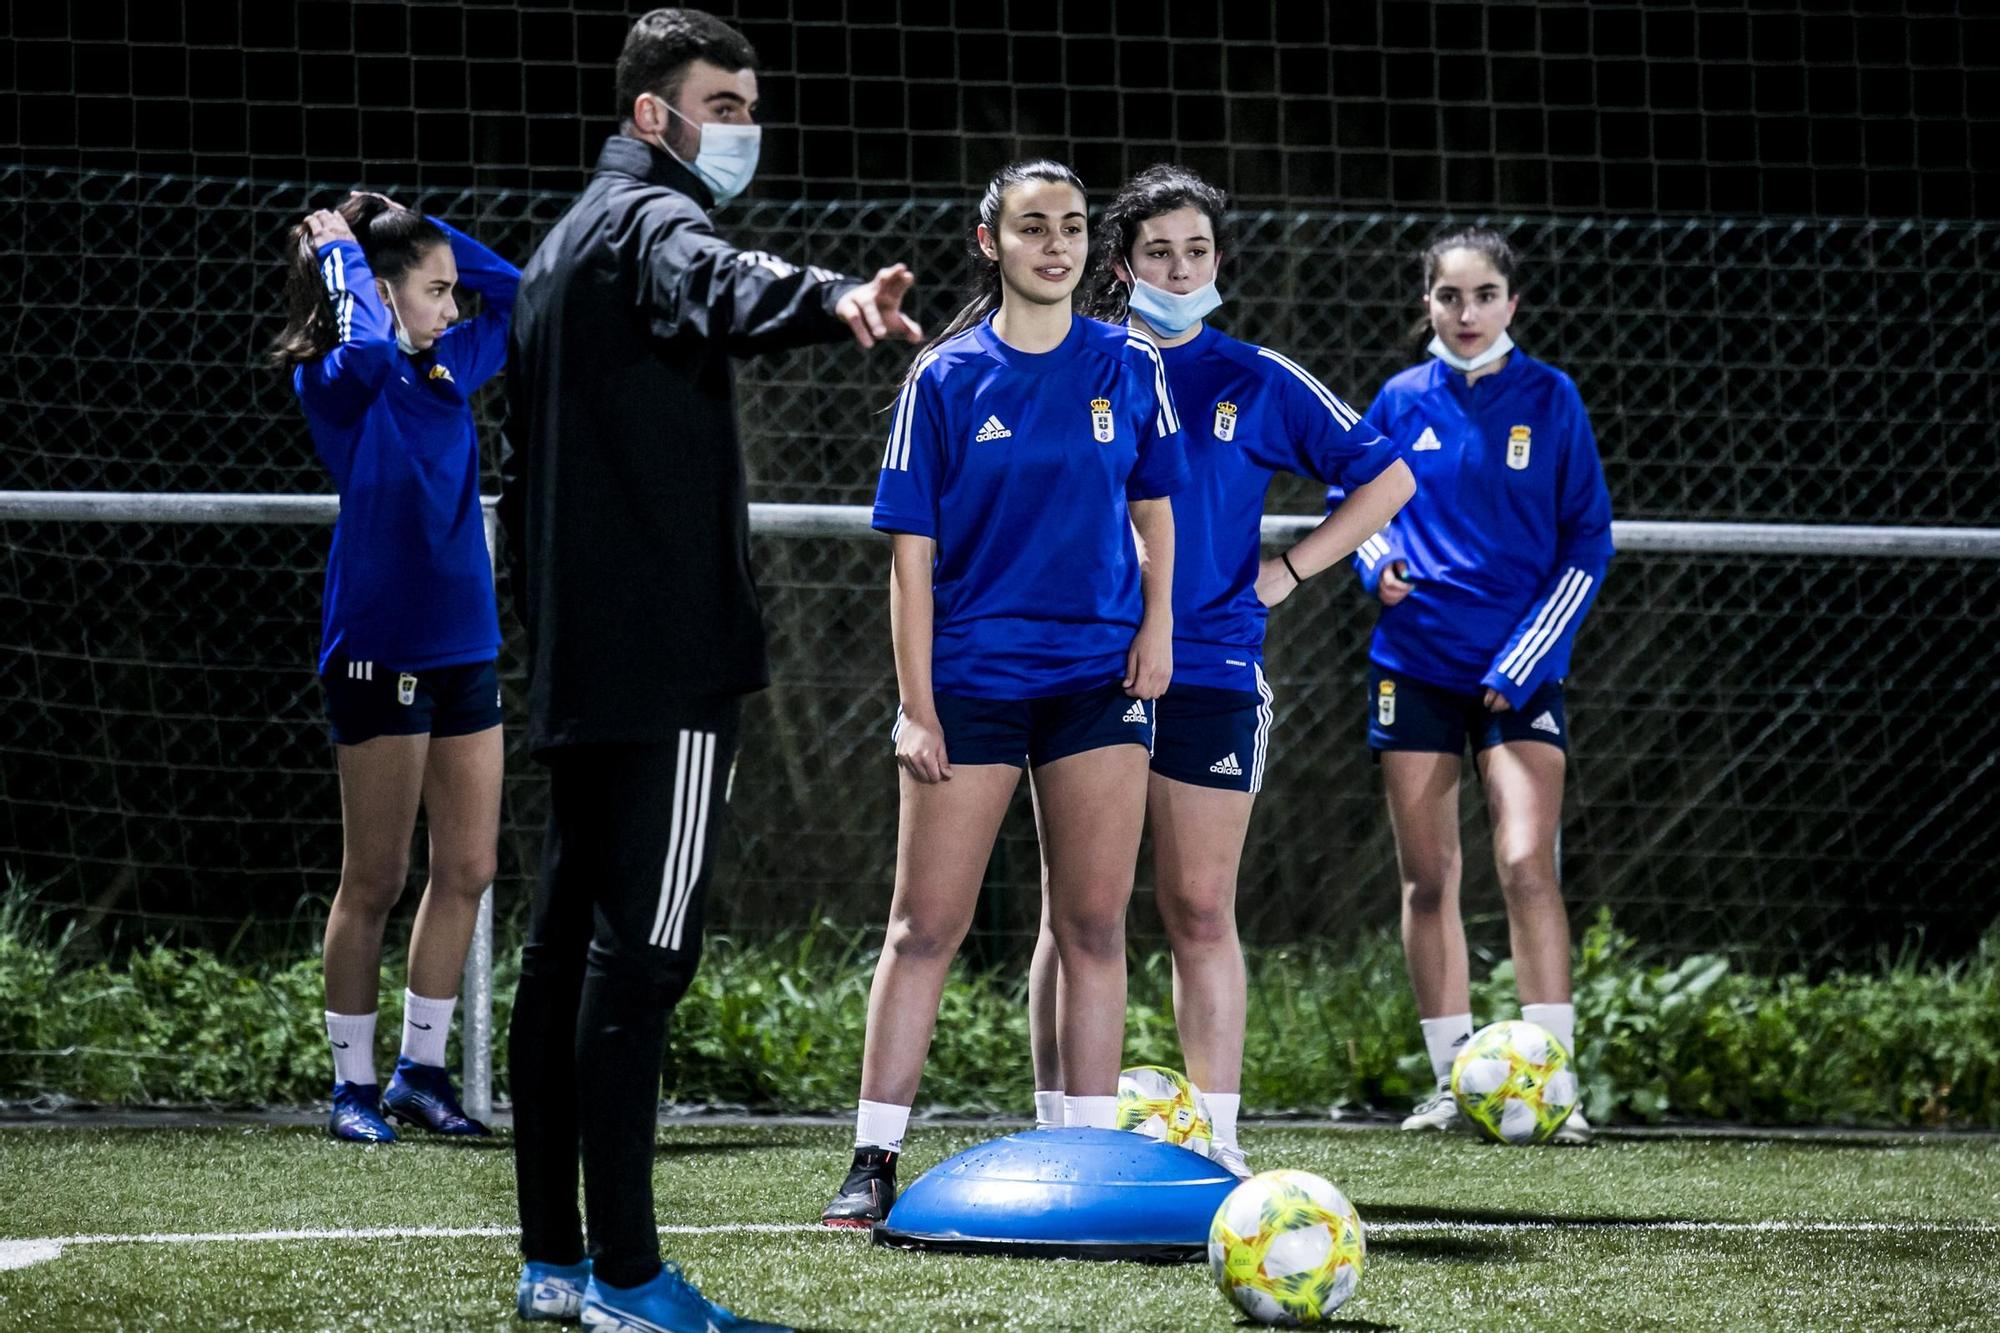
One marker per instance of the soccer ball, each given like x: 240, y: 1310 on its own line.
x: 1286, y: 1248
x: 1514, y: 1082
x: 1159, y: 1103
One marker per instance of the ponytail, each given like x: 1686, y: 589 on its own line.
x: 983, y: 293
x: 393, y: 240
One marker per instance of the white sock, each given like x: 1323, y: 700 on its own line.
x: 1559, y: 1019
x: 426, y: 1023
x: 1442, y: 1038
x: 353, y: 1038
x: 1048, y: 1109
x: 1091, y: 1112
x: 1222, y: 1109
x: 880, y: 1125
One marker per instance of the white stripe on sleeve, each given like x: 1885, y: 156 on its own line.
x: 1341, y: 412
x: 1166, y: 422
x: 1555, y: 616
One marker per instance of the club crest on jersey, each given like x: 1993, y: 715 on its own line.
x: 1518, y: 440
x: 1100, y: 420
x: 406, y: 689
x: 1385, y: 703
x: 1225, y: 421
x: 438, y: 372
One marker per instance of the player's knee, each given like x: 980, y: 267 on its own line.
x: 923, y: 938
x: 1090, y: 937
x: 1428, y: 894
x: 1528, y: 881
x: 463, y: 876
x: 1205, y: 919
x: 370, y: 888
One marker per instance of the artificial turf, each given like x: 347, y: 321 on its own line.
x: 1466, y: 1236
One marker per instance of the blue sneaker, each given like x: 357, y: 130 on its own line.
x: 357, y: 1114
x: 422, y: 1095
x: 551, y: 1291
x: 667, y: 1304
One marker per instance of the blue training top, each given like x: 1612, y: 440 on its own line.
x: 1253, y: 414
x: 1508, y: 535
x: 408, y: 580
x: 1019, y: 465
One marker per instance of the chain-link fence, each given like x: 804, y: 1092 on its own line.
x: 1788, y: 756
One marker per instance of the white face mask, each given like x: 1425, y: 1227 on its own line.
x: 396, y: 318
x: 1173, y: 313
x: 1501, y: 346
x: 727, y: 158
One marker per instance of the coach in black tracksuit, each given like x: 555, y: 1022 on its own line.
x: 628, y: 538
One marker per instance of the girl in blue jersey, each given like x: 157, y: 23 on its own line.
x: 1251, y: 413
x: 1484, y: 580
x: 1027, y: 447
x: 410, y: 636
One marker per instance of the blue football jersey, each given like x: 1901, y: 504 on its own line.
x: 1020, y: 466
x: 1508, y: 535
x: 408, y: 580
x: 1251, y: 414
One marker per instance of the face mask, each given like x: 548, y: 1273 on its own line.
x: 396, y: 318
x: 1501, y: 346
x: 727, y: 158
x: 1173, y: 313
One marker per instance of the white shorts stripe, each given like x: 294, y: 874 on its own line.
x: 1265, y: 713
x: 1558, y: 629
x: 660, y: 913
x: 678, y: 921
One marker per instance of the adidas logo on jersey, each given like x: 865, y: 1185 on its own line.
x: 1546, y: 722
x: 1137, y: 712
x: 1227, y: 766
x: 992, y: 430
x: 1428, y: 440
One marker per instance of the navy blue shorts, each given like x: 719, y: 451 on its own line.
x: 1033, y: 732
x: 1406, y: 714
x: 1214, y: 738
x: 369, y: 699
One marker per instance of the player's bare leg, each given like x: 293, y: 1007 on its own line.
x: 462, y: 781
x: 1093, y: 808
x: 943, y: 840
x: 1044, y: 971
x: 1422, y: 789
x: 381, y: 786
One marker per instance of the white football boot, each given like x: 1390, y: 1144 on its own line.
x: 1439, y: 1112
x: 1574, y: 1132
x: 1230, y: 1158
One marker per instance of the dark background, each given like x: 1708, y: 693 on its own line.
x: 1761, y: 239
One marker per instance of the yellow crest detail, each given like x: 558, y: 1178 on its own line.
x: 1225, y: 421
x: 1518, y: 441
x: 440, y: 373
x: 1102, y: 429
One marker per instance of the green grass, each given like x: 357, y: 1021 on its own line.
x: 1469, y: 1236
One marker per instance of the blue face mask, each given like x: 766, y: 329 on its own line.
x: 727, y: 158
x: 1173, y: 313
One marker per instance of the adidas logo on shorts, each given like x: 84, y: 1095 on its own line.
x: 1137, y: 712
x: 1227, y: 766
x: 992, y: 430
x: 1546, y: 722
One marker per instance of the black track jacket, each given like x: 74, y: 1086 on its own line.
x: 625, y: 508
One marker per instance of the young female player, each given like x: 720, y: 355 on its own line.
x: 410, y: 635
x: 1484, y: 580
x: 1027, y: 447
x: 1252, y: 413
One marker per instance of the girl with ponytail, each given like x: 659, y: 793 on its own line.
x: 1027, y: 447
x: 410, y: 637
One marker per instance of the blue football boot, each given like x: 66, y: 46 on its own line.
x: 668, y: 1304
x: 357, y: 1114
x: 551, y: 1292
x: 422, y: 1095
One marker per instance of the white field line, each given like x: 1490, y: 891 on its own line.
x: 40, y: 1250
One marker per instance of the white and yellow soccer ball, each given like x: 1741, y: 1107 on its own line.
x: 1161, y: 1104
x: 1286, y: 1248
x: 1513, y: 1081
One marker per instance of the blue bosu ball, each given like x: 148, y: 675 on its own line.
x: 1064, y: 1194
